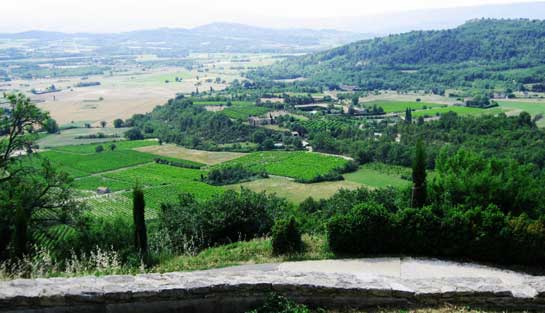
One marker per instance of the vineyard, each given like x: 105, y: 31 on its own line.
x: 299, y: 165
x: 239, y: 110
x: 80, y: 165
x: 119, y: 145
x: 378, y: 175
x: 466, y: 111
x: 322, y: 124
x: 242, y: 113
x: 400, y: 106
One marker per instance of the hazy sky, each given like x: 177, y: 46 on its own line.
x: 123, y: 15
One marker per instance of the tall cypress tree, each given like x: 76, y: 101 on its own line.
x: 408, y: 116
x: 418, y: 198
x: 140, y: 234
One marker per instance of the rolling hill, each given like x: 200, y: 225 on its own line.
x: 215, y: 37
x: 481, y: 53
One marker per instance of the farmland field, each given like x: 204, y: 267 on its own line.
x: 200, y: 156
x: 299, y: 164
x: 296, y: 192
x: 79, y: 165
x: 240, y: 110
x: 133, y: 163
x: 68, y: 136
x: 242, y: 113
x: 530, y: 106
x: 465, y: 111
x: 128, y: 89
x: 376, y: 176
x: 93, y: 182
x: 120, y: 145
x: 390, y: 106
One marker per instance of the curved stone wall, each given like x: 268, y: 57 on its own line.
x: 240, y: 290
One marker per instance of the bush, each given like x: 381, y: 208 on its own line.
x: 99, y: 149
x: 286, y: 237
x: 118, y: 123
x: 225, y: 218
x: 232, y: 174
x: 178, y: 163
x: 366, y: 229
x: 479, y: 234
x: 134, y: 134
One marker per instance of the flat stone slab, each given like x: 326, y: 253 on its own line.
x: 330, y: 283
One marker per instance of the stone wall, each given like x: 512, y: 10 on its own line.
x: 238, y: 291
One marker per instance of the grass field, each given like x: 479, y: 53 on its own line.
x: 200, y: 156
x: 68, y: 136
x: 296, y: 192
x: 298, y: 164
x: 161, y: 184
x: 79, y: 165
x: 242, y: 113
x: 532, y: 107
x: 119, y: 145
x: 240, y: 110
x: 465, y: 111
x: 390, y: 106
x: 380, y: 176
x: 257, y: 251
x: 223, y: 103
x: 155, y: 175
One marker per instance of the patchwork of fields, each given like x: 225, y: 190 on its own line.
x: 514, y: 107
x: 240, y: 110
x: 133, y: 162
x: 464, y: 111
x: 298, y: 165
x: 391, y: 106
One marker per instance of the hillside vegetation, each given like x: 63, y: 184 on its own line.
x: 480, y: 53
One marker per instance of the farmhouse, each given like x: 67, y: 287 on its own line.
x: 260, y: 121
x: 349, y: 88
x: 103, y: 190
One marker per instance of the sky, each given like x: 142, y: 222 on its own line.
x: 126, y: 15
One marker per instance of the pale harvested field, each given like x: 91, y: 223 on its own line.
x: 68, y: 137
x: 123, y: 95
x: 134, y: 91
x: 296, y: 192
x: 394, y: 96
x: 206, y: 157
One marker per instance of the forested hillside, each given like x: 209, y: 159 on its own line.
x: 480, y: 54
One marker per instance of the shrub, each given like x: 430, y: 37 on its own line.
x: 417, y: 231
x: 118, y: 123
x: 99, y: 149
x: 232, y: 174
x: 479, y: 234
x: 225, y: 218
x: 286, y: 237
x: 366, y: 229
x: 134, y: 134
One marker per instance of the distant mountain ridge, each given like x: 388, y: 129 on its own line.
x: 215, y: 37
x: 508, y: 51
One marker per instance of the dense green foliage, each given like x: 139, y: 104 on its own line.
x: 139, y: 221
x: 480, y: 53
x: 303, y: 166
x: 230, y: 217
x: 484, y: 234
x: 184, y: 123
x: 35, y: 197
x: 418, y: 197
x: 286, y: 237
x: 232, y: 174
